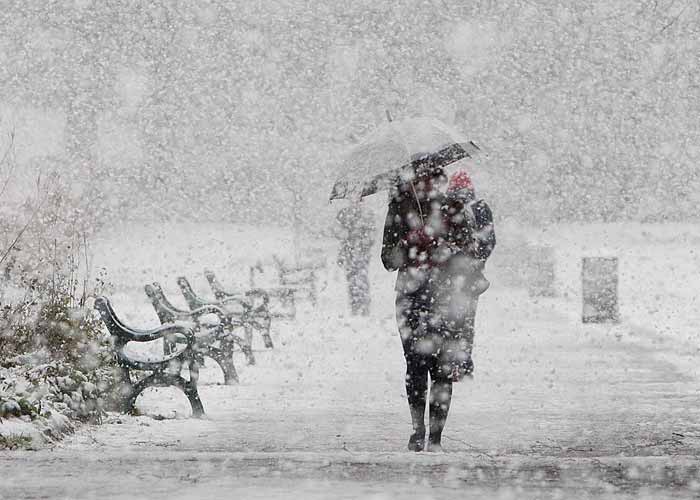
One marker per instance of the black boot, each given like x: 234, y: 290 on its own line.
x: 417, y: 440
x: 440, y: 399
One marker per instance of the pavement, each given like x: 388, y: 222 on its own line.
x: 557, y: 409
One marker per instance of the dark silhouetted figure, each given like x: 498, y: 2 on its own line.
x: 425, y: 235
x: 356, y: 240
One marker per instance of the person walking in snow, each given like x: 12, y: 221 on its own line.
x: 356, y: 240
x: 424, y: 234
x: 412, y: 225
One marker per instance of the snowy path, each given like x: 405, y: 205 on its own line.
x: 557, y: 409
x: 555, y: 405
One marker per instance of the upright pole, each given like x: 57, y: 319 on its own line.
x: 599, y: 281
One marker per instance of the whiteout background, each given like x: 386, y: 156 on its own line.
x: 200, y: 132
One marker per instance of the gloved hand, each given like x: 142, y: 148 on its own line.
x: 418, y: 245
x: 417, y: 238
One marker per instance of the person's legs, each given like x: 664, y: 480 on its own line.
x: 440, y: 399
x: 416, y: 391
x: 441, y: 386
x: 408, y: 314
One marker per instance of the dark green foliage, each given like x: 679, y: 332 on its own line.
x: 60, y: 352
x: 14, y: 441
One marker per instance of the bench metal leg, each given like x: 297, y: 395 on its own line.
x: 246, y: 344
x: 160, y: 379
x: 313, y: 295
x: 248, y: 335
x: 287, y: 304
x: 264, y: 327
x: 190, y: 390
x: 225, y: 361
x: 267, y: 322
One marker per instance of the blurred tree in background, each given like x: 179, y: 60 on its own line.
x: 214, y: 110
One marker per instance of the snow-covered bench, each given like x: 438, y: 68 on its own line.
x: 249, y: 311
x: 165, y: 371
x: 300, y: 278
x: 284, y: 304
x: 214, y: 335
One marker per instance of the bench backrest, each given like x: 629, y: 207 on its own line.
x: 298, y: 275
x: 215, y: 285
x: 110, y: 319
x: 124, y: 334
x: 193, y: 301
x: 167, y: 313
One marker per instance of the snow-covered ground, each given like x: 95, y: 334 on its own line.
x: 557, y: 409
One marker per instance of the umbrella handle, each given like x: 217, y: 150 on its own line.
x: 420, y: 209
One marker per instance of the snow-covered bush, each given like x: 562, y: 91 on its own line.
x: 56, y: 363
x: 56, y: 367
x: 58, y: 360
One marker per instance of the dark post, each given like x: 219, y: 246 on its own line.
x: 599, y: 279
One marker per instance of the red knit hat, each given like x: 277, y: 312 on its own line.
x: 460, y: 180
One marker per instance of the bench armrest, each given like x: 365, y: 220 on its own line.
x: 126, y: 333
x: 208, y: 309
x: 231, y: 299
x: 134, y: 335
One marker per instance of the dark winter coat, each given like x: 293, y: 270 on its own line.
x: 413, y: 226
x: 468, y: 227
x: 439, y: 247
x: 420, y: 236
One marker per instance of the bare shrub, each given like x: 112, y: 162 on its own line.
x: 54, y: 354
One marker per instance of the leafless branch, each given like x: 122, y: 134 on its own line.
x: 87, y: 271
x: 10, y: 149
x: 39, y: 205
x: 674, y: 19
x: 17, y: 238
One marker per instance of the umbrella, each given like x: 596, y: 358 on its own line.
x: 394, y: 151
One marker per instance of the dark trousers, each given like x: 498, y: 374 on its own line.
x: 422, y: 339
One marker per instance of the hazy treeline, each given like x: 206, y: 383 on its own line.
x: 225, y: 109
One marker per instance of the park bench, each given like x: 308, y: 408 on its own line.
x: 214, y: 339
x: 247, y: 311
x: 301, y: 278
x: 282, y: 295
x: 165, y: 371
x: 294, y: 281
x: 260, y: 301
x: 259, y: 297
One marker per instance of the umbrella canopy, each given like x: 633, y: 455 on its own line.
x: 394, y: 151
